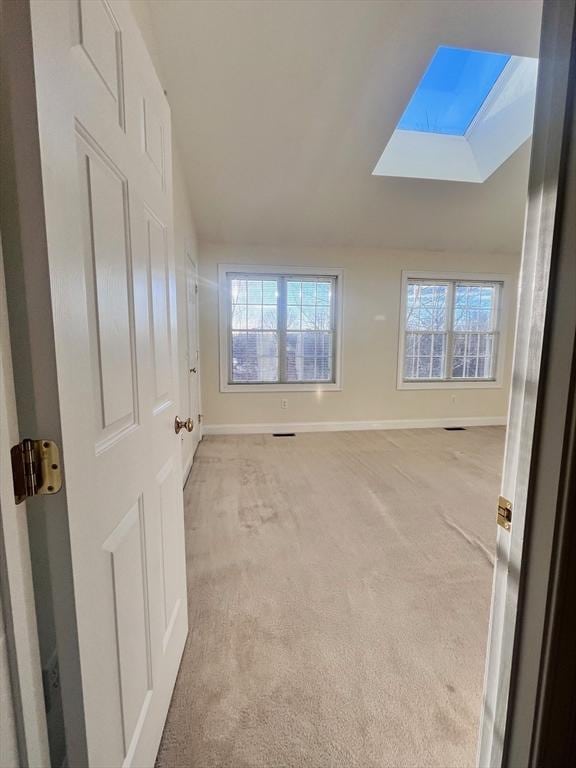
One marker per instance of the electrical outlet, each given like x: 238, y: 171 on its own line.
x: 284, y: 403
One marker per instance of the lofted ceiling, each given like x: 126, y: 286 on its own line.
x: 281, y: 109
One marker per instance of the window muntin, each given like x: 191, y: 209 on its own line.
x: 282, y: 329
x: 451, y: 330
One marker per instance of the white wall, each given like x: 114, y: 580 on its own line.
x: 370, y: 343
x: 184, y: 235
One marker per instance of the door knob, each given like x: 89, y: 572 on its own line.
x: 192, y: 370
x: 180, y: 424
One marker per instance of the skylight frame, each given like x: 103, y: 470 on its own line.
x: 502, y: 124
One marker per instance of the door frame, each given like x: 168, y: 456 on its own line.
x: 32, y: 341
x: 190, y: 262
x: 540, y: 441
x: 25, y: 692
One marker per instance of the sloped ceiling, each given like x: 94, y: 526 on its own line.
x: 281, y: 109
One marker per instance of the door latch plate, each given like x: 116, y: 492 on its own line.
x: 35, y: 469
x: 504, y: 513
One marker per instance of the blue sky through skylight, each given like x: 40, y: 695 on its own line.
x: 453, y: 89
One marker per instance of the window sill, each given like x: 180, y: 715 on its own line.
x: 227, y: 388
x: 481, y: 384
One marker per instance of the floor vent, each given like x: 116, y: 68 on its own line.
x: 455, y: 429
x: 283, y: 434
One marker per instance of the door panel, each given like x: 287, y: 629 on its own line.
x: 104, y: 128
x: 159, y: 310
x: 104, y: 196
x: 128, y: 565
x: 172, y: 531
x: 153, y: 133
x: 100, y: 38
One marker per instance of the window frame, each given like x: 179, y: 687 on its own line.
x: 502, y: 311
x: 224, y: 270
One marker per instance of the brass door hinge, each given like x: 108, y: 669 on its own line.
x: 35, y: 469
x: 504, y: 513
x: 200, y: 417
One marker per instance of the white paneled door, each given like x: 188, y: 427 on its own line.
x: 104, y: 126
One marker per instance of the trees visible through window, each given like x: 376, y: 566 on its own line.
x: 282, y: 328
x: 451, y: 330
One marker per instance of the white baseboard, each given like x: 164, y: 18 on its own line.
x: 353, y: 426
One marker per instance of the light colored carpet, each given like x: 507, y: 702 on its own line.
x: 339, y: 589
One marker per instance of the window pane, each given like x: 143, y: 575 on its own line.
x: 474, y: 307
x: 470, y: 367
x: 294, y: 293
x: 254, y: 357
x: 473, y: 355
x: 269, y: 317
x: 309, y: 356
x: 484, y: 368
x: 254, y: 342
x: 410, y: 345
x: 323, y: 293
x: 309, y: 293
x: 423, y: 369
x: 409, y: 367
x: 308, y: 319
x: 310, y: 337
x: 254, y: 288
x: 438, y: 344
x: 457, y: 367
x: 426, y: 306
x: 425, y: 347
x: 322, y: 318
x: 269, y: 292
x: 293, y: 318
x: 437, y: 367
x: 424, y: 355
x: 254, y: 317
x: 238, y: 291
x: 239, y: 317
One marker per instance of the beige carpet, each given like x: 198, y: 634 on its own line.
x: 339, y: 589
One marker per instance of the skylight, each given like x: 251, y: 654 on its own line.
x: 469, y: 113
x: 453, y: 89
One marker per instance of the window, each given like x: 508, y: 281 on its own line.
x: 470, y: 111
x: 451, y: 331
x: 452, y: 90
x: 279, y: 330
